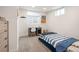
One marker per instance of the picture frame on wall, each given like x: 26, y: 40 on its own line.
x: 43, y: 19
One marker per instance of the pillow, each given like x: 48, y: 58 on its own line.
x: 49, y: 33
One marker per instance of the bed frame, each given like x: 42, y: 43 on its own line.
x: 48, y: 45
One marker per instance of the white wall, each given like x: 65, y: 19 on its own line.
x: 67, y: 24
x: 10, y: 14
x: 25, y: 23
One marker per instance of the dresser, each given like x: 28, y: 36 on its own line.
x: 4, y: 46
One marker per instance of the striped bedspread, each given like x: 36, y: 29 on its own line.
x: 60, y: 42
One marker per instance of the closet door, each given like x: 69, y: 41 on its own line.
x: 23, y: 29
x: 3, y: 35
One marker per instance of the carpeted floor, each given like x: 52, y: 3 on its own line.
x: 31, y: 44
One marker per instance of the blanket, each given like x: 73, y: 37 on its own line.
x: 59, y: 42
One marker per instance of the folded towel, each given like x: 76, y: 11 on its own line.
x: 74, y: 47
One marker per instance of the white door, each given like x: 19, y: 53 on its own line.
x: 23, y: 27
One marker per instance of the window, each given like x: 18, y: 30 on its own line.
x: 33, y: 21
x: 59, y: 12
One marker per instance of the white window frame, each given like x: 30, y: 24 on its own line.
x: 60, y: 12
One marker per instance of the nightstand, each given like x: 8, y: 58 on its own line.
x: 45, y: 31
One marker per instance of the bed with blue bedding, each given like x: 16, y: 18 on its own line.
x: 57, y: 42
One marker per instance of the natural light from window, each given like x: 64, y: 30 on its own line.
x: 60, y: 12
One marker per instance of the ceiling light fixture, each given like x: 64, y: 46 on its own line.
x: 33, y: 6
x: 44, y: 8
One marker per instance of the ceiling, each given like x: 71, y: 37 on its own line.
x: 39, y: 8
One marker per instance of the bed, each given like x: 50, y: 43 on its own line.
x: 59, y: 43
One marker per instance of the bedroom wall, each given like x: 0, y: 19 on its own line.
x: 24, y: 22
x: 10, y: 14
x: 67, y: 24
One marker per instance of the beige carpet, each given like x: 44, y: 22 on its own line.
x: 31, y: 44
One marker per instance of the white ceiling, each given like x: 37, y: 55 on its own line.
x: 39, y: 8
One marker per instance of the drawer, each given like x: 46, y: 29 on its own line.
x: 2, y: 28
x: 3, y: 43
x: 3, y: 35
x: 4, y: 49
x: 5, y: 30
x: 4, y: 46
x: 3, y: 24
x: 3, y: 38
